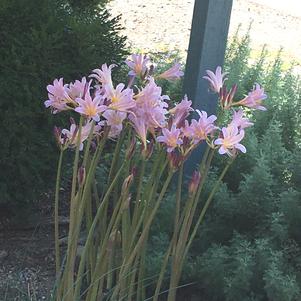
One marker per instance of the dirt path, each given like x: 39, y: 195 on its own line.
x: 165, y: 24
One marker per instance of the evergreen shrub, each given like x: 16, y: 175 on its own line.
x: 39, y: 41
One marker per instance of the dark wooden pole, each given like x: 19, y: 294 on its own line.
x: 207, y: 45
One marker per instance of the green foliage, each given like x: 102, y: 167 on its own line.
x: 40, y: 41
x: 249, y: 246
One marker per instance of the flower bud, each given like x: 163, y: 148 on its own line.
x: 151, y: 70
x: 134, y: 171
x: 126, y: 184
x: 194, y: 182
x: 148, y: 151
x: 226, y: 97
x: 81, y: 175
x: 175, y: 160
x: 131, y: 149
x: 57, y: 134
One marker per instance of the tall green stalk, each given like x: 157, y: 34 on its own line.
x: 127, y: 263
x: 56, y: 215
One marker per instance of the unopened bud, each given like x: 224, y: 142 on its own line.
x: 131, y: 149
x: 81, y: 175
x: 134, y: 171
x: 148, y: 151
x: 86, y: 88
x: 151, y: 70
x: 57, y: 134
x: 226, y: 97
x: 74, y: 134
x: 175, y: 160
x: 194, y: 182
x: 126, y: 184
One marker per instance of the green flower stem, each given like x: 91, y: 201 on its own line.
x: 76, y: 159
x: 141, y: 272
x: 111, y: 229
x: 163, y: 269
x: 150, y: 194
x: 195, y: 198
x: 116, y: 155
x: 145, y: 203
x: 186, y: 225
x: 183, y: 251
x: 69, y: 270
x: 178, y: 202
x: 138, y: 195
x: 132, y: 281
x: 88, y: 145
x: 112, y: 173
x: 92, y: 229
x: 80, y: 204
x: 56, y: 215
x: 207, y: 204
x: 127, y: 263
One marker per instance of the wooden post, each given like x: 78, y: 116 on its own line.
x: 207, y: 45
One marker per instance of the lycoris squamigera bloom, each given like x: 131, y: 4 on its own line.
x: 58, y: 96
x: 254, y: 99
x: 171, y: 138
x: 216, y: 79
x: 121, y: 98
x: 150, y: 105
x: 70, y: 136
x: 239, y: 120
x: 148, y: 111
x: 200, y: 129
x: 90, y: 107
x: 172, y: 73
x: 229, y: 143
x: 104, y: 75
x: 140, y: 128
x: 77, y: 89
x: 138, y: 64
x: 226, y: 97
x: 181, y: 111
x: 114, y: 119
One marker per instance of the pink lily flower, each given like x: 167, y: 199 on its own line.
x: 104, y: 75
x: 254, y: 99
x: 137, y: 64
x: 140, y: 128
x: 172, y: 73
x: 114, y: 119
x: 77, y: 89
x: 72, y: 135
x: 199, y: 130
x: 229, y: 143
x: 240, y: 121
x: 181, y: 111
x: 90, y: 108
x: 216, y: 79
x: 150, y: 105
x: 171, y: 138
x: 58, y: 96
x: 121, y: 99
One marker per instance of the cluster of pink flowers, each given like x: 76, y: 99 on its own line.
x: 102, y: 104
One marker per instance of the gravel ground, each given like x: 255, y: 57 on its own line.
x: 165, y: 24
